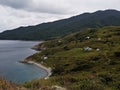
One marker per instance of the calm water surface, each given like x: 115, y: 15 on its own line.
x: 13, y: 51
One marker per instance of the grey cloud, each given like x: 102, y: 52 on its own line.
x: 13, y: 18
x: 18, y: 4
x: 37, y: 6
x: 15, y: 13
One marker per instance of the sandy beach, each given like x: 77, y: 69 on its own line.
x: 48, y: 70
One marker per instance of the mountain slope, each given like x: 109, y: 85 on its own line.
x: 5, y: 85
x: 86, y: 60
x: 66, y: 26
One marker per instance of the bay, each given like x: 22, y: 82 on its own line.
x: 11, y: 52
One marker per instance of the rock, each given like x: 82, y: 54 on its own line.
x: 99, y: 39
x: 58, y: 88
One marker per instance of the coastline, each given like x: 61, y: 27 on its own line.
x: 27, y: 61
x: 48, y: 70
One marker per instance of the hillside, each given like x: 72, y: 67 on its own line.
x: 5, y: 85
x: 86, y: 60
x: 62, y: 27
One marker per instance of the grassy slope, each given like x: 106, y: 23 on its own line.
x: 5, y: 85
x: 77, y: 69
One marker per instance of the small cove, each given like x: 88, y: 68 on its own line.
x: 11, y: 52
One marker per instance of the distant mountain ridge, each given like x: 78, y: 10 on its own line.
x: 62, y: 27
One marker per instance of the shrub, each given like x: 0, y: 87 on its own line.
x: 106, y: 78
x: 117, y: 54
x: 91, y: 85
x: 58, y: 70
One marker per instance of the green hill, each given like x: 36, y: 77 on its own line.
x: 62, y: 27
x: 86, y: 60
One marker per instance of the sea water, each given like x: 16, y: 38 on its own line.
x: 11, y: 52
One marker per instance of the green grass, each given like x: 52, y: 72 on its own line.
x: 77, y: 69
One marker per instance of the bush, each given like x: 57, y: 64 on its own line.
x: 91, y: 85
x: 58, y: 70
x: 106, y: 78
x: 82, y: 65
x: 117, y: 54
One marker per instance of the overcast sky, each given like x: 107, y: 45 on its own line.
x: 15, y: 13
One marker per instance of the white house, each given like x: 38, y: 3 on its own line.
x: 97, y: 49
x: 45, y: 58
x: 87, y: 37
x: 88, y: 49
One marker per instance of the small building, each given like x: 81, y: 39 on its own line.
x: 87, y: 49
x: 45, y: 58
x: 97, y: 49
x: 87, y: 37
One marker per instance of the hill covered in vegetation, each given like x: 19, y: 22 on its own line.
x: 86, y: 60
x: 5, y: 85
x: 62, y: 27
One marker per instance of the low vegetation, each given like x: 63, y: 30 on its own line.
x: 86, y: 60
x: 5, y: 85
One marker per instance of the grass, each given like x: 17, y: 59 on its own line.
x: 77, y: 69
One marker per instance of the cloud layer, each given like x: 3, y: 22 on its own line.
x: 40, y: 6
x: 15, y: 13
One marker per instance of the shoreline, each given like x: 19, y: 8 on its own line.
x: 27, y: 61
x: 48, y: 70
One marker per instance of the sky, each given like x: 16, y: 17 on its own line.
x: 16, y: 13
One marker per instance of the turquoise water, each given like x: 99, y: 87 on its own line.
x: 13, y: 51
